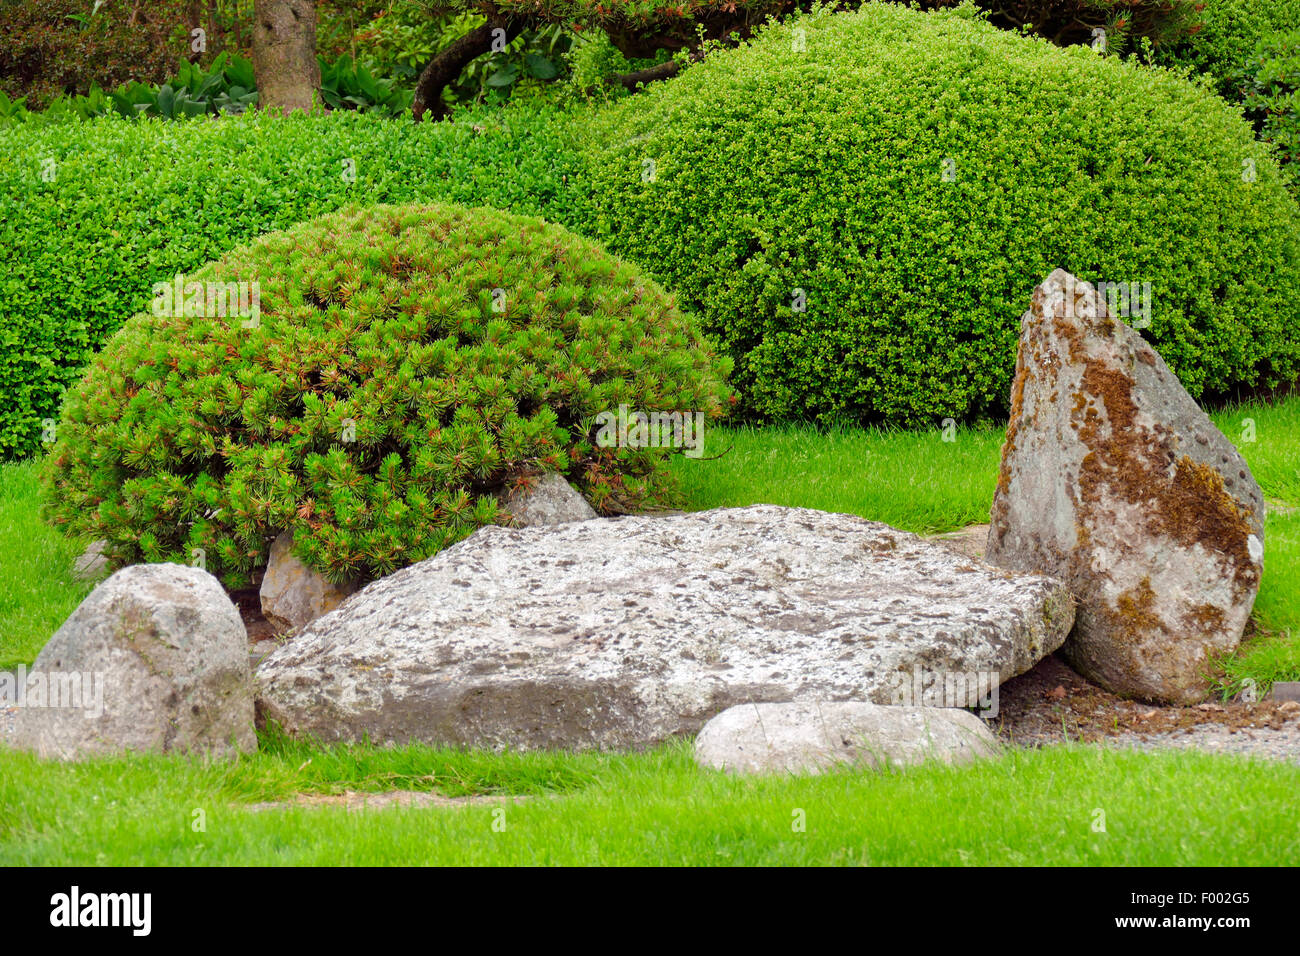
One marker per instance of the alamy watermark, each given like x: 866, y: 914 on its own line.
x: 922, y: 688
x: 75, y: 908
x: 637, y: 429
x: 211, y: 300
x: 71, y: 690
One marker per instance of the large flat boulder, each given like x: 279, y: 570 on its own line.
x: 1115, y: 481
x: 153, y: 660
x: 619, y: 633
x: 814, y: 736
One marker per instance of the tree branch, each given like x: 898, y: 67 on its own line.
x: 444, y: 68
x: 661, y: 71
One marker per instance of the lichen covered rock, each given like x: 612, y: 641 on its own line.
x: 1114, y: 480
x: 620, y: 633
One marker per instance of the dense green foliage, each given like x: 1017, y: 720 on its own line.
x: 52, y: 47
x: 1230, y: 34
x: 92, y: 214
x: 408, y: 363
x: 860, y: 205
x: 226, y: 85
x: 1272, y: 96
x: 349, y: 85
x: 1127, y: 24
x: 402, y: 38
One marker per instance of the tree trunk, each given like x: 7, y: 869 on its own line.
x: 284, y: 54
x: 216, y: 38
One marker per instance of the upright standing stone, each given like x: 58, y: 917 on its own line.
x: 1115, y: 481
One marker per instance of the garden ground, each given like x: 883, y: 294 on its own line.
x: 1039, y: 806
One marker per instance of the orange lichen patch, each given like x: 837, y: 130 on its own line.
x: 1070, y: 333
x: 1214, y: 518
x: 1133, y: 462
x: 1018, y: 391
x: 1134, y: 608
x: 1013, y: 425
x: 1205, y: 618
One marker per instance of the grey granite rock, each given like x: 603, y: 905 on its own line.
x: 618, y: 633
x: 152, y: 660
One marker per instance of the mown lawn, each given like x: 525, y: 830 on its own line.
x: 1042, y: 807
x: 37, y: 591
x: 658, y: 808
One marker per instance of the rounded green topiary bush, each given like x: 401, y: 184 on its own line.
x: 382, y: 377
x: 859, y: 206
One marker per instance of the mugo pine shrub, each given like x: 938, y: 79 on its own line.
x: 859, y: 206
x: 397, y: 368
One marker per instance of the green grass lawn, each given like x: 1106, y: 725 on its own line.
x: 658, y: 808
x: 911, y: 480
x: 37, y: 591
x: 1029, y: 807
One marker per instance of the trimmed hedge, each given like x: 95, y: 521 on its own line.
x: 912, y: 177
x: 93, y: 213
x: 403, y: 366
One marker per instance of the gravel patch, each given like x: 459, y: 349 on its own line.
x: 1052, y: 704
x: 1264, y: 742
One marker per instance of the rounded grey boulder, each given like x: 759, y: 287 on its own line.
x: 153, y: 660
x: 810, y: 737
